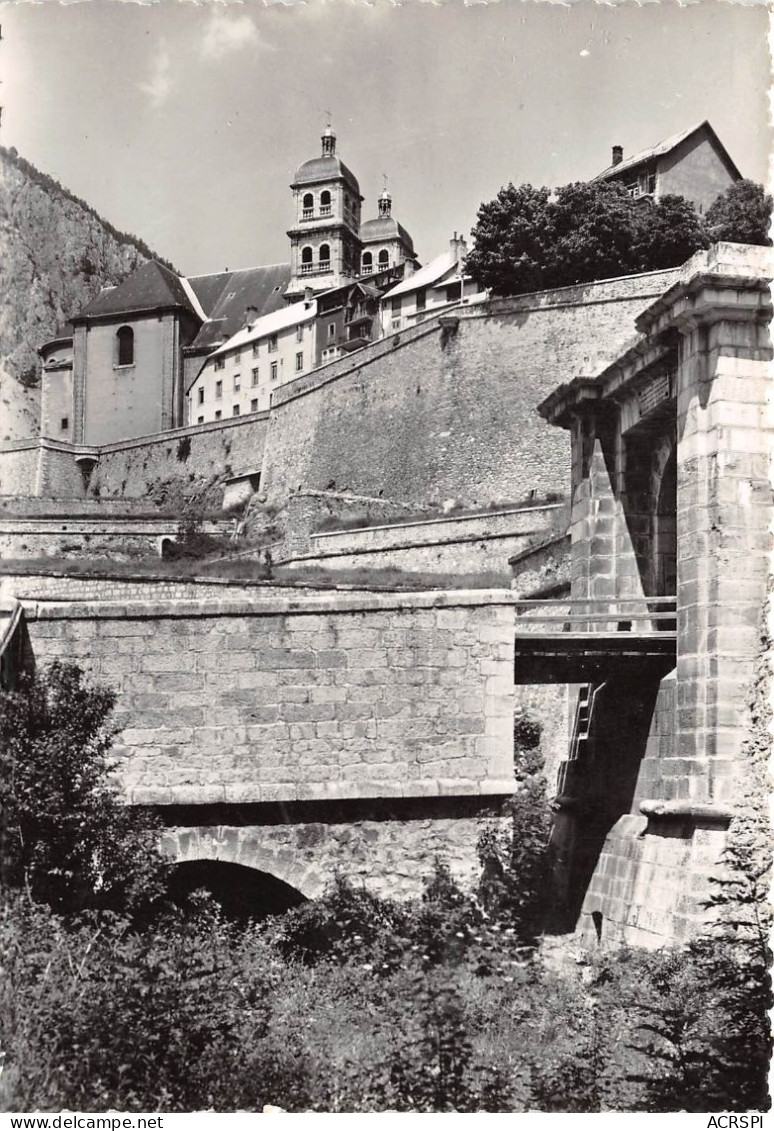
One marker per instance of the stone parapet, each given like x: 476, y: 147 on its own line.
x: 315, y: 697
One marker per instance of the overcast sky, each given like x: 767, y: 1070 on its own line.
x: 184, y: 123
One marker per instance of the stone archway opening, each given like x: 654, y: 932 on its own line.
x: 242, y: 893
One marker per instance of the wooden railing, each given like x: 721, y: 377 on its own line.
x: 606, y: 615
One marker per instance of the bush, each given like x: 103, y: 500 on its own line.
x: 65, y: 836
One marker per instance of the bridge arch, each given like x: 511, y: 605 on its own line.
x: 259, y: 849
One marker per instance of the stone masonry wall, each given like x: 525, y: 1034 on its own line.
x: 315, y: 698
x: 19, y: 467
x: 72, y: 587
x: 172, y: 466
x: 442, y: 413
x: 455, y: 544
x: 115, y: 537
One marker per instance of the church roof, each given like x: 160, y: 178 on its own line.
x: 226, y: 295
x: 385, y: 228
x: 325, y: 168
x: 150, y: 287
x: 668, y: 146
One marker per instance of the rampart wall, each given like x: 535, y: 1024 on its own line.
x: 448, y: 412
x: 453, y: 544
x: 172, y: 466
x: 119, y: 536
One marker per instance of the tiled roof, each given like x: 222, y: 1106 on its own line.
x: 664, y: 148
x: 225, y: 297
x: 426, y: 276
x: 291, y: 315
x: 151, y: 287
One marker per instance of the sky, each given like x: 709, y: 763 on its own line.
x: 183, y: 123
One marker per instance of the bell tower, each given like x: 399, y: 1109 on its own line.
x: 325, y: 238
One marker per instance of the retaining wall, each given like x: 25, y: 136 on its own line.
x: 118, y: 537
x: 454, y: 544
x: 435, y: 414
x: 172, y: 466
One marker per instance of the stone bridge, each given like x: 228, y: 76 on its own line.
x: 304, y: 737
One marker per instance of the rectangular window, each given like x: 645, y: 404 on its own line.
x: 331, y: 331
x: 237, y: 357
x: 218, y: 389
x: 200, y: 395
x: 237, y: 383
x: 65, y: 423
x: 255, y: 349
x: 255, y: 377
x: 274, y: 371
x: 235, y: 410
x: 299, y: 362
x: 421, y: 299
x: 200, y: 420
x: 273, y: 344
x: 299, y: 333
x: 220, y: 362
x: 218, y: 414
x: 454, y: 292
x: 395, y: 306
x: 254, y: 404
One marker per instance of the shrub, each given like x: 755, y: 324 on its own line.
x: 64, y: 834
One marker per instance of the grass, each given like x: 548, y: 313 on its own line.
x: 251, y: 570
x: 365, y: 518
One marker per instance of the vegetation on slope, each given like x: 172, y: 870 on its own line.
x: 351, y: 1002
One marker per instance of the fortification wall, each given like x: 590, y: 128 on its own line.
x: 173, y: 466
x: 301, y: 699
x: 118, y: 536
x: 55, y: 586
x: 455, y: 544
x: 19, y: 467
x: 438, y: 413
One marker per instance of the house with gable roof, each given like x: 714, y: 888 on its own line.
x: 694, y: 164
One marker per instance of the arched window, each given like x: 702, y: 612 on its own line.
x: 308, y: 201
x: 384, y: 258
x: 125, y: 351
x: 325, y: 198
x: 325, y: 253
x: 368, y: 260
x: 306, y: 255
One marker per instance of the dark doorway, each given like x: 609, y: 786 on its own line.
x: 242, y: 893
x: 665, y: 541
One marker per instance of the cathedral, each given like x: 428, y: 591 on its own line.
x: 127, y: 364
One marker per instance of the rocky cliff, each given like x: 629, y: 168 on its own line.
x: 56, y: 253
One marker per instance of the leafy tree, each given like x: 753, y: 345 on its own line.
x: 65, y: 836
x: 513, y: 238
x: 741, y: 215
x: 669, y: 232
x: 530, y: 239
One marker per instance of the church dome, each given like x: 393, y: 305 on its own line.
x: 328, y: 168
x: 385, y: 228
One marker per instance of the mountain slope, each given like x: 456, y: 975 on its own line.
x: 56, y: 254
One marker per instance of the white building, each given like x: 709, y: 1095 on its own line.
x: 240, y: 376
x: 441, y: 284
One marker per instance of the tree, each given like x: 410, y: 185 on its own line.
x: 741, y: 215
x: 65, y: 836
x: 530, y: 239
x: 513, y: 237
x: 669, y: 232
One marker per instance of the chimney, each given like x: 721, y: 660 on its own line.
x: 458, y: 247
x: 251, y: 313
x: 617, y: 154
